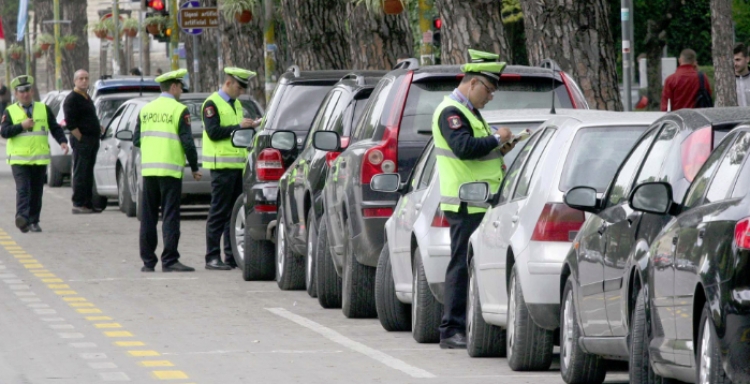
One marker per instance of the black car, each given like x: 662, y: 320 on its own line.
x: 692, y: 323
x: 300, y: 202
x: 389, y: 138
x: 603, y: 272
x: 290, y: 112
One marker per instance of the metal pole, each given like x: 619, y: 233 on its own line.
x: 28, y: 46
x: 426, y: 56
x: 196, y: 64
x: 175, y: 38
x: 145, y: 45
x: 269, y: 35
x: 116, y: 34
x: 626, y: 53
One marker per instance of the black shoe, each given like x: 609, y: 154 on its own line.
x: 177, y: 267
x: 96, y: 210
x: 147, y: 269
x: 82, y: 210
x: 35, y: 227
x: 22, y: 224
x: 457, y: 341
x: 231, y: 263
x: 217, y: 265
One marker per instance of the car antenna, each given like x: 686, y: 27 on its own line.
x: 552, y: 110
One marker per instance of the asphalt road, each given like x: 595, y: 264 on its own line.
x: 75, y: 309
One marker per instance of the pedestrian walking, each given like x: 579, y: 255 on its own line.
x: 687, y: 87
x: 222, y: 114
x: 163, y: 133
x: 467, y: 151
x: 742, y: 74
x: 85, y: 130
x: 26, y: 125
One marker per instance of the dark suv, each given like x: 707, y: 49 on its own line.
x: 389, y: 138
x: 300, y: 202
x: 291, y: 109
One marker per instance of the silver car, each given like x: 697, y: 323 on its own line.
x: 60, y: 164
x: 516, y: 254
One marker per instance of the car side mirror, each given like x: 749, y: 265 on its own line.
x: 327, y: 141
x: 474, y: 192
x: 582, y: 198
x: 243, y: 137
x: 284, y: 140
x: 386, y: 182
x: 652, y: 197
x: 124, y: 135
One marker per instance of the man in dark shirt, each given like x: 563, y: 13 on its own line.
x: 4, y: 97
x: 85, y: 130
x: 681, y: 88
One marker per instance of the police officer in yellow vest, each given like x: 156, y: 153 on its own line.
x: 26, y: 124
x: 163, y: 133
x: 222, y: 114
x: 467, y: 150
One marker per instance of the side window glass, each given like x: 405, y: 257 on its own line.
x: 429, y: 170
x: 125, y: 119
x: 730, y: 165
x: 512, y: 174
x: 652, y: 166
x: 621, y: 186
x: 320, y: 118
x: 528, y: 171
x: 335, y: 111
x: 371, y: 120
x: 743, y: 180
x: 697, y: 189
x: 113, y: 124
x: 418, y: 167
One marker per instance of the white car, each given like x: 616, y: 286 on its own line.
x: 516, y: 254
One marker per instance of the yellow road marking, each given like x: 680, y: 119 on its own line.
x: 108, y: 325
x: 8, y: 242
x: 73, y: 299
x: 170, y: 375
x: 79, y: 305
x: 54, y: 281
x: 129, y: 343
x: 88, y: 310
x: 15, y: 251
x: 143, y: 353
x: 22, y: 256
x: 58, y: 286
x: 32, y: 266
x: 62, y: 293
x: 118, y: 333
x: 44, y: 275
x: 156, y: 363
x: 12, y: 247
x: 5, y: 237
x: 28, y: 261
x: 98, y: 318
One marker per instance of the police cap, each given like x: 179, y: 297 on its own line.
x: 241, y: 75
x: 22, y: 83
x: 486, y: 64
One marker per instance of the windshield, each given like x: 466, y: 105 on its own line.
x: 106, y: 108
x: 595, y: 155
x: 249, y: 110
x: 296, y: 110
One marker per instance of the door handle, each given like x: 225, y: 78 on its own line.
x: 514, y: 219
x: 106, y: 148
x: 495, y: 224
x: 631, y: 219
x: 417, y: 207
x: 118, y: 146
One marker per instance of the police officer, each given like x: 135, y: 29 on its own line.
x: 467, y: 150
x: 25, y: 124
x: 222, y: 114
x: 163, y: 133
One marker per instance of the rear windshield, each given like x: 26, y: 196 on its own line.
x: 128, y: 89
x: 106, y: 108
x: 595, y: 155
x: 296, y: 109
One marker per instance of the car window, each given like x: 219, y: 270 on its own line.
x: 250, y: 110
x: 297, y: 111
x: 429, y: 170
x: 126, y: 118
x: 113, y: 123
x: 528, y: 170
x: 730, y: 165
x: 516, y: 128
x: 651, y: 169
x: 697, y: 189
x: 595, y: 155
x: 743, y: 180
x: 359, y: 109
x: 529, y: 92
x: 371, y: 120
x: 324, y: 114
x: 512, y: 173
x: 621, y: 186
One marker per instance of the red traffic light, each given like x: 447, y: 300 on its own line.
x: 156, y: 5
x: 437, y: 23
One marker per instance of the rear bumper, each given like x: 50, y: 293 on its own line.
x: 539, y: 267
x: 369, y: 242
x: 260, y: 224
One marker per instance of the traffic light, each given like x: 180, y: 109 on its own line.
x: 156, y: 5
x: 436, y: 24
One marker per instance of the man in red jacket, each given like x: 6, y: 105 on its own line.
x: 681, y: 88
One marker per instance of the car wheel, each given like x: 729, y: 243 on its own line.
x: 529, y: 346
x: 394, y: 315
x: 312, y: 242
x: 358, y: 285
x: 328, y: 282
x: 576, y: 366
x: 640, y: 365
x: 237, y: 231
x: 426, y: 311
x: 123, y: 195
x: 98, y: 201
x: 259, y: 258
x: 54, y: 176
x: 482, y: 339
x: 290, y: 267
x: 710, y: 369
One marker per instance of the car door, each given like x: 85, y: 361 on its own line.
x: 113, y: 151
x: 103, y: 158
x: 411, y: 206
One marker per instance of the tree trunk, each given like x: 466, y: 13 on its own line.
x: 208, y: 54
x: 316, y: 33
x: 243, y: 47
x: 75, y: 11
x: 475, y: 24
x: 722, y: 35
x: 377, y: 40
x: 656, y: 39
x: 576, y: 34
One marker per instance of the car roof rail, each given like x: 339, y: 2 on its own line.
x: 550, y: 64
x: 294, y: 69
x: 410, y: 63
x: 357, y: 78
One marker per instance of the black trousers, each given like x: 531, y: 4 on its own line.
x: 161, y: 191
x: 462, y: 225
x: 29, y: 188
x: 226, y: 186
x: 84, y: 159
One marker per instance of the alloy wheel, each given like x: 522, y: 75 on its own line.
x: 239, y: 232
x: 120, y: 190
x: 705, y: 364
x: 511, y: 331
x: 309, y: 266
x: 414, y: 299
x: 470, y: 311
x: 567, y: 331
x: 280, y: 248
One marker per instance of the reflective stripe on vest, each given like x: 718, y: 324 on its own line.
x: 162, y: 153
x: 454, y: 171
x: 29, y: 148
x: 221, y: 154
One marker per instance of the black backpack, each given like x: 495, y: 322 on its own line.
x: 703, y: 99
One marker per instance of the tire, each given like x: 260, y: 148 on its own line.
x: 358, y: 285
x: 529, y: 346
x: 98, y: 201
x: 426, y: 311
x: 482, y: 339
x: 54, y: 177
x: 237, y: 231
x: 312, y: 243
x: 328, y: 282
x: 394, y: 315
x: 290, y: 267
x: 710, y: 369
x: 640, y: 365
x: 576, y: 366
x: 124, y: 199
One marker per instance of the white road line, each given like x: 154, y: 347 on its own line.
x: 65, y: 335
x: 114, y: 376
x: 336, y: 337
x: 24, y: 293
x: 8, y: 276
x: 93, y: 356
x: 250, y: 352
x: 45, y: 311
x: 19, y: 286
x: 104, y: 365
x: 52, y: 319
x: 83, y: 345
x: 37, y: 305
x: 13, y: 281
x: 132, y: 279
x: 61, y: 326
x: 31, y: 299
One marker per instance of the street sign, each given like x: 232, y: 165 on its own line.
x: 192, y: 18
x: 189, y: 5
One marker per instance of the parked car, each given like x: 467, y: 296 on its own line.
x: 291, y: 110
x: 300, y: 204
x: 603, y: 273
x: 691, y: 322
x: 390, y: 137
x: 124, y: 84
x: 60, y: 164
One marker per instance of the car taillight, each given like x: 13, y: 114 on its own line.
x: 383, y: 158
x: 558, y: 222
x: 270, y: 167
x: 377, y: 212
x: 742, y: 234
x: 439, y: 220
x: 695, y: 151
x: 331, y: 156
x: 510, y: 77
x: 265, y: 208
x: 565, y: 81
